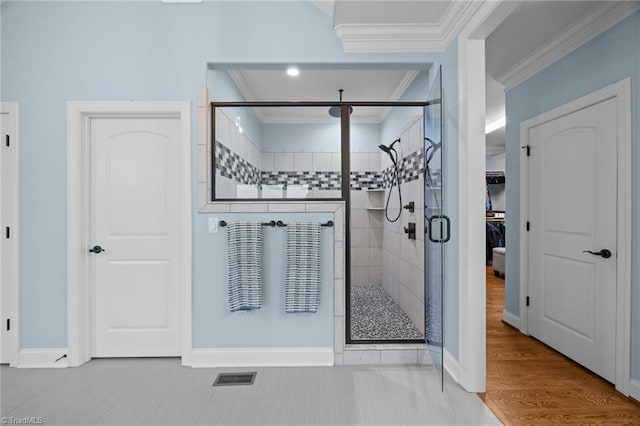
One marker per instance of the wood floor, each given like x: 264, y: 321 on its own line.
x: 529, y: 383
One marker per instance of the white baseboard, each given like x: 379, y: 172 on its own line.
x: 452, y: 366
x: 634, y: 389
x: 42, y: 358
x: 511, y: 319
x: 262, y: 357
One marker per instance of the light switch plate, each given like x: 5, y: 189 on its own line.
x: 213, y: 225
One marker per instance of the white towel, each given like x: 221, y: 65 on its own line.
x: 302, y: 289
x: 245, y: 265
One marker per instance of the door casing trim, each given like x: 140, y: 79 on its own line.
x: 79, y: 114
x: 621, y: 91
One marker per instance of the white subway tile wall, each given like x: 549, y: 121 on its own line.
x: 275, y: 173
x: 393, y: 261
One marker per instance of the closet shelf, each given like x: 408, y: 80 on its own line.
x: 495, y: 177
x: 376, y: 190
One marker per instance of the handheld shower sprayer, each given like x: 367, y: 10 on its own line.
x: 396, y: 176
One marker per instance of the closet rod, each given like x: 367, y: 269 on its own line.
x: 279, y: 223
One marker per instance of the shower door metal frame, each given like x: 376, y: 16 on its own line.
x: 345, y: 170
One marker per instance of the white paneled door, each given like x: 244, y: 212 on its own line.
x: 573, y: 235
x: 10, y: 237
x: 135, y: 238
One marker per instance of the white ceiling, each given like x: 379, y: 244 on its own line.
x: 389, y: 12
x: 322, y: 85
x: 423, y: 25
x: 531, y: 25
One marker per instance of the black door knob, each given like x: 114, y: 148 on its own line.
x: 96, y: 249
x: 604, y: 253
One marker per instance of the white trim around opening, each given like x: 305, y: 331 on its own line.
x: 471, y: 365
x: 79, y: 215
x: 621, y: 91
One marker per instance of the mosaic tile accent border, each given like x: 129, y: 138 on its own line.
x: 366, y: 180
x: 411, y: 168
x: 324, y: 181
x: 234, y: 167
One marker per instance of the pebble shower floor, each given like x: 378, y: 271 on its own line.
x: 375, y: 316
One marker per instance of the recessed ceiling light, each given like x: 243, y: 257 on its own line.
x: 293, y: 72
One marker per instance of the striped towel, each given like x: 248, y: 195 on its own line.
x: 245, y: 265
x: 302, y: 289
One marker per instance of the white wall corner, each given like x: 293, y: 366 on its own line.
x: 634, y: 389
x: 471, y: 171
x: 203, y: 97
x: 262, y: 357
x: 43, y: 358
x: 451, y: 365
x: 512, y: 320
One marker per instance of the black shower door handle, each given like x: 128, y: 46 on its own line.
x: 442, y: 220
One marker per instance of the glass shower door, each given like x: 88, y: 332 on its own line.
x: 437, y: 225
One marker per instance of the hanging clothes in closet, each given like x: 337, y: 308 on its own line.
x: 495, y: 238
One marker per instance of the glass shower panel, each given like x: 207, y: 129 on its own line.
x: 436, y: 225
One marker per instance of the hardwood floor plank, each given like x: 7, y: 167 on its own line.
x: 528, y: 383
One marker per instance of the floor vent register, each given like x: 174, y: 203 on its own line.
x: 234, y: 379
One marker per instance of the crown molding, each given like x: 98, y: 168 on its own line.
x: 416, y: 37
x: 361, y: 38
x: 244, y: 87
x: 588, y: 27
x: 398, y: 92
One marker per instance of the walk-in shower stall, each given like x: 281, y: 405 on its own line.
x: 383, y: 159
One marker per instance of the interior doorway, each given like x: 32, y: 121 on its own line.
x: 129, y: 230
x: 575, y: 257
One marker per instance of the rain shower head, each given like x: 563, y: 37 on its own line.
x: 389, y: 148
x: 385, y: 148
x: 336, y: 110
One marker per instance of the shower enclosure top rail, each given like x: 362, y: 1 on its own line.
x: 321, y: 104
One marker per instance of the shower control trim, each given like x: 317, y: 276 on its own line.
x: 410, y: 230
x: 411, y: 206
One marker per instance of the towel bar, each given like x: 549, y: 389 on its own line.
x: 328, y: 224
x: 271, y: 223
x: 279, y: 223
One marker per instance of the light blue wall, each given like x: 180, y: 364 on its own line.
x: 312, y: 136
x: 53, y: 52
x: 268, y: 326
x: 608, y: 58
